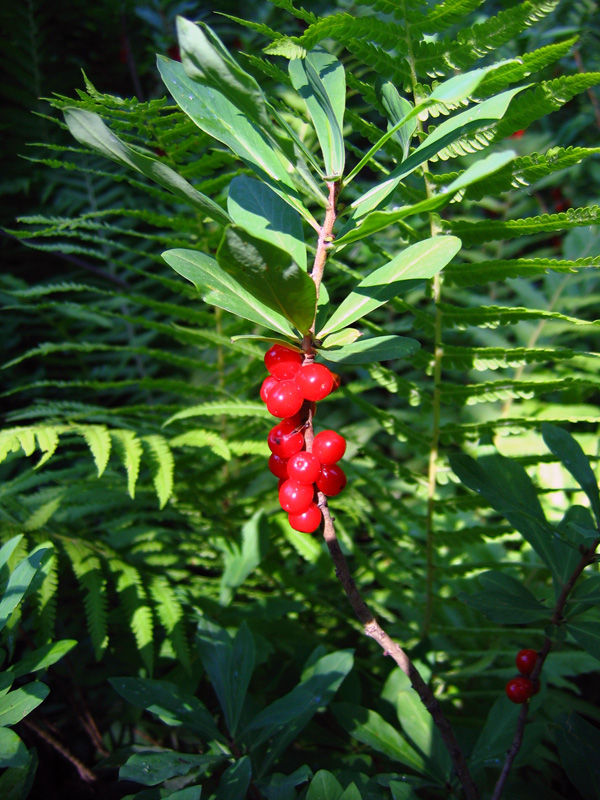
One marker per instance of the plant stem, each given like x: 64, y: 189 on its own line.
x: 586, y: 559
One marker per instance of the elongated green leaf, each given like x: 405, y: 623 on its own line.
x: 240, y: 562
x: 417, y: 262
x: 565, y: 447
x: 319, y: 79
x: 215, y: 114
x: 228, y: 664
x: 505, y: 600
x: 13, y: 752
x: 167, y: 701
x: 20, y: 580
x: 8, y: 549
x: 155, y: 766
x: 324, y: 786
x: 396, y: 107
x: 371, y: 729
x: 15, y: 705
x: 578, y: 745
x: 270, y: 274
x: 587, y: 635
x: 89, y: 129
x: 496, y: 736
x: 377, y: 348
x: 256, y: 208
x: 220, y: 289
x: 234, y: 782
x: 43, y: 657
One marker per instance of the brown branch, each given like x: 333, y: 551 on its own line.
x: 84, y: 773
x: 557, y: 619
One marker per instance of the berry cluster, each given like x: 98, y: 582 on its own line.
x: 521, y: 688
x: 289, y: 393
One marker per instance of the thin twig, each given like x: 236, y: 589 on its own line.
x: 84, y: 773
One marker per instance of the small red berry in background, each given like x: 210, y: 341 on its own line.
x: 315, y: 381
x: 278, y: 466
x: 286, y: 439
x: 285, y: 399
x: 294, y: 497
x: 308, y: 521
x: 266, y: 387
x: 304, y: 467
x: 519, y: 690
x: 526, y: 661
x: 282, y: 362
x: 329, y: 447
x: 331, y: 480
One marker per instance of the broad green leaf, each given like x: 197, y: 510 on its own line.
x: 167, y: 701
x: 324, y: 786
x: 234, y: 782
x: 220, y: 289
x: 565, y: 447
x: 228, y: 664
x: 15, y: 705
x: 240, y: 562
x: 587, y: 636
x: 89, y: 129
x: 505, y: 600
x: 342, y: 338
x: 351, y: 793
x: 377, y: 348
x: 578, y: 746
x: 8, y: 549
x: 270, y: 274
x: 283, y: 787
x: 479, y: 116
x: 190, y: 793
x: 20, y: 580
x: 13, y: 752
x: 256, y: 208
x: 496, y: 735
x: 155, y: 766
x: 508, y: 489
x: 43, y: 657
x: 319, y: 79
x: 371, y: 729
x: 417, y: 262
x: 16, y: 782
x: 402, y: 791
x: 396, y: 108
x: 215, y: 114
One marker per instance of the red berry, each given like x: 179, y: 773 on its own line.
x: 337, y: 382
x: 295, y: 497
x: 285, y: 399
x: 286, y: 438
x: 331, y: 480
x: 526, y: 661
x: 519, y: 690
x: 308, y: 521
x: 282, y: 362
x: 315, y: 381
x: 329, y: 447
x: 304, y: 467
x: 278, y: 466
x: 266, y: 387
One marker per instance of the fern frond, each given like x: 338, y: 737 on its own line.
x: 98, y: 440
x: 300, y: 13
x: 131, y: 453
x: 46, y: 602
x: 164, y: 466
x: 483, y: 272
x: 203, y: 438
x: 229, y: 409
x: 492, y: 358
x: 171, y: 616
x: 492, y: 316
x: 88, y: 571
x: 491, y: 391
x: 133, y: 595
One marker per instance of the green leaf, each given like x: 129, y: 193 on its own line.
x: 228, y: 664
x: 396, y: 108
x: 402, y: 791
x: 240, y: 562
x: 319, y: 79
x: 234, y: 782
x: 342, y: 338
x: 283, y: 787
x: 155, y: 766
x: 42, y: 658
x: 20, y: 579
x: 163, y: 466
x: 256, y: 208
x: 15, y: 705
x: 270, y: 274
x: 324, y: 786
x: 351, y: 793
x: 13, y: 752
x: 496, y: 736
x: 417, y: 262
x: 167, y: 701
x: 578, y: 746
x: 371, y: 729
x: 587, y: 636
x: 89, y: 129
x: 505, y: 600
x: 227, y: 408
x: 220, y: 289
x: 565, y: 447
x: 16, y: 782
x: 377, y: 348
x: 8, y: 549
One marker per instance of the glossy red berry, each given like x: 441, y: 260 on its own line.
x: 329, y: 447
x: 282, y: 362
x: 285, y: 399
x: 526, y: 661
x: 331, y: 480
x: 286, y: 438
x: 315, y: 381
x: 519, y: 690
x: 304, y: 467
x: 266, y: 387
x: 278, y: 466
x: 295, y: 497
x: 308, y: 521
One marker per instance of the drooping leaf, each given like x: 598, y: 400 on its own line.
x: 377, y: 348
x: 270, y: 274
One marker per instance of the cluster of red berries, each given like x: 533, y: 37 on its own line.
x: 289, y: 392
x: 521, y: 688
